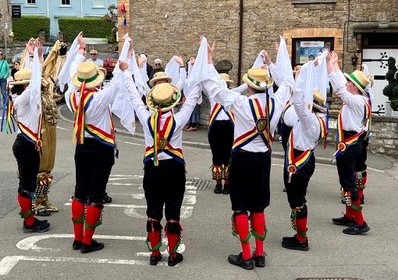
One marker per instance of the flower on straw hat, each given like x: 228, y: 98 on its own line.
x: 258, y: 78
x: 159, y: 76
x: 163, y: 97
x: 89, y: 73
x: 22, y: 77
x: 359, y: 79
x: 226, y: 78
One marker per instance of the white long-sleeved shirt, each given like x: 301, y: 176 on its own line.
x: 98, y: 112
x: 240, y: 107
x: 143, y: 114
x: 353, y: 110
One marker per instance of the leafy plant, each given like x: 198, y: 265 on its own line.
x: 391, y: 90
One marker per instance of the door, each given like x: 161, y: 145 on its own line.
x: 376, y: 60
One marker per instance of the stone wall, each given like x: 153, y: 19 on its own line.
x: 384, y: 135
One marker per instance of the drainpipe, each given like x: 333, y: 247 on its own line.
x: 240, y: 40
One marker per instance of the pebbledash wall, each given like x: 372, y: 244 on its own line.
x: 242, y: 28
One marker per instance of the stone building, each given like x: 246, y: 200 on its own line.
x: 359, y: 30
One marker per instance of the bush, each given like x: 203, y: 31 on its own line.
x: 391, y: 90
x: 91, y: 27
x: 27, y: 27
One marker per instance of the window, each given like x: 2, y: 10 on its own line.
x: 65, y: 2
x: 305, y: 49
x: 99, y: 3
x: 30, y: 2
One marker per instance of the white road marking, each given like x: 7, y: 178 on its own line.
x: 7, y: 263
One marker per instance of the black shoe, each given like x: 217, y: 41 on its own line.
x: 43, y: 212
x: 107, y: 198
x: 356, y: 229
x: 237, y: 260
x: 76, y: 245
x: 94, y: 246
x: 226, y: 189
x: 38, y: 226
x: 218, y: 189
x: 293, y: 244
x: 153, y: 260
x: 172, y: 261
x: 259, y: 261
x: 343, y: 221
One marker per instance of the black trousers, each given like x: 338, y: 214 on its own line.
x: 360, y: 164
x: 297, y: 188
x: 164, y: 185
x: 93, y: 163
x: 249, y: 179
x: 221, y: 137
x: 346, y: 163
x: 28, y: 160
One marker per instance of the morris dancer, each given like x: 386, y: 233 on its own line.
x: 351, y: 128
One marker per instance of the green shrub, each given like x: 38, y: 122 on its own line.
x: 91, y: 27
x: 391, y: 90
x: 27, y: 27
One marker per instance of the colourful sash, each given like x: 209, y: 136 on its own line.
x: 343, y: 143
x: 262, y: 119
x: 296, y: 163
x: 8, y: 120
x: 161, y: 140
x: 80, y: 126
x: 216, y: 110
x: 35, y: 138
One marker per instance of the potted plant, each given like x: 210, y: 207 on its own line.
x: 391, y: 90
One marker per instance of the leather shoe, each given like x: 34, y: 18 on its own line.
x: 343, y: 221
x: 94, y: 246
x: 173, y: 260
x: 153, y: 260
x: 218, y: 189
x: 259, y: 261
x: 357, y: 229
x: 76, y: 245
x: 239, y: 261
x: 226, y: 189
x: 293, y: 244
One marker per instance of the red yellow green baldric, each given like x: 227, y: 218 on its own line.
x: 342, y: 142
x: 161, y: 139
x: 261, y: 118
x: 293, y: 163
x: 32, y: 136
x: 8, y: 121
x: 216, y: 110
x: 80, y: 126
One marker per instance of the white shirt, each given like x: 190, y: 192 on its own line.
x: 240, y: 107
x: 143, y: 114
x: 28, y: 109
x: 352, y: 112
x: 99, y: 62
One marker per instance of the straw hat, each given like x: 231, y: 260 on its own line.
x: 359, y: 79
x: 22, y: 77
x: 163, y: 97
x: 159, y: 76
x: 226, y: 78
x: 89, y: 73
x: 257, y: 78
x: 319, y: 101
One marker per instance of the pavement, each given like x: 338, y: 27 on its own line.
x: 198, y: 139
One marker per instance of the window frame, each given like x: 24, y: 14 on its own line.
x: 31, y: 4
x: 64, y: 5
x: 102, y: 5
x: 296, y: 49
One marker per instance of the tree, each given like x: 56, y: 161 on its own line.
x: 391, y: 90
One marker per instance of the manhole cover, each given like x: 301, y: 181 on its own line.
x: 201, y: 185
